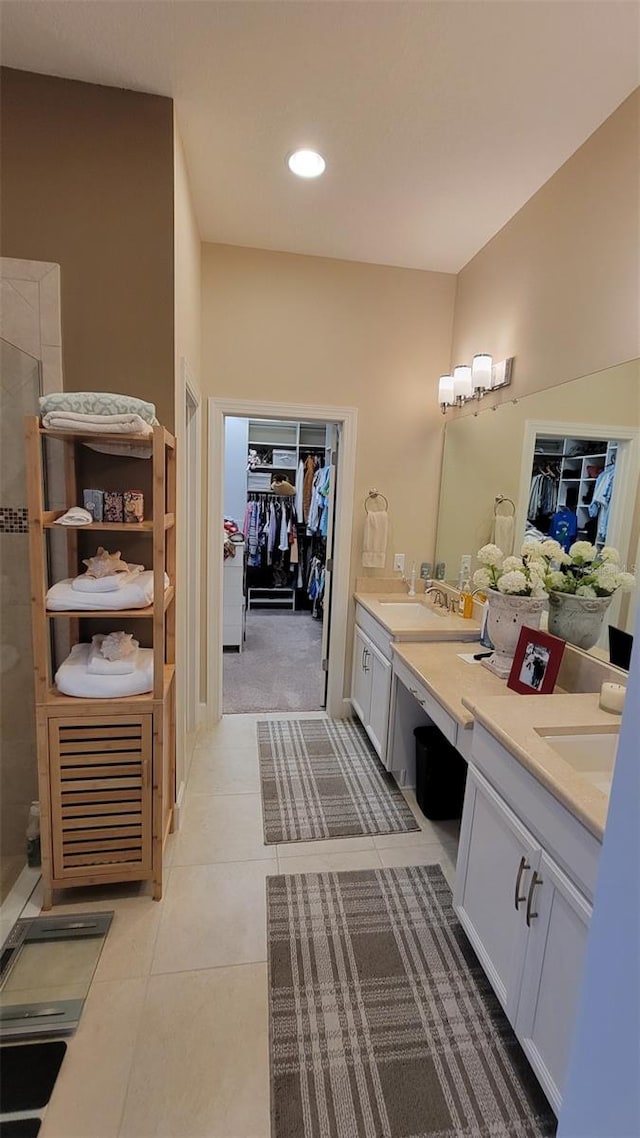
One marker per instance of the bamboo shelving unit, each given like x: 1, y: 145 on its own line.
x: 106, y: 767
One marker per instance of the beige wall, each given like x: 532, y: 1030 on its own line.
x: 312, y: 330
x: 187, y: 348
x: 558, y: 286
x: 87, y: 182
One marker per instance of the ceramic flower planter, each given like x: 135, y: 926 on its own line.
x: 507, y: 615
x: 578, y: 620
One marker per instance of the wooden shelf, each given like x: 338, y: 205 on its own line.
x: 107, y: 437
x: 49, y: 522
x: 113, y: 614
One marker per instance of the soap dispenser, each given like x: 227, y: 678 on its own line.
x: 412, y: 580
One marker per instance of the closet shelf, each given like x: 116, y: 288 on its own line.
x: 113, y: 614
x: 49, y: 522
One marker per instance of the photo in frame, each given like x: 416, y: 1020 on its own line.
x: 536, y: 662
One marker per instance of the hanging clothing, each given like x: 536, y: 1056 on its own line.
x: 601, y: 501
x: 307, y: 486
x: 299, y: 492
x: 319, y: 507
x: 543, y: 496
x: 564, y: 527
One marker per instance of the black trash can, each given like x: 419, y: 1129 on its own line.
x: 441, y: 774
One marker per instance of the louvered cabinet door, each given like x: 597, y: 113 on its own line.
x: 101, y: 780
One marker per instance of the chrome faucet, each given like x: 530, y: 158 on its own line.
x: 440, y: 599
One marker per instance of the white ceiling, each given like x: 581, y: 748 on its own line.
x: 438, y: 119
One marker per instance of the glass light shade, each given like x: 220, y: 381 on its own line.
x: 462, y: 382
x: 481, y: 367
x: 306, y: 163
x: 445, y: 390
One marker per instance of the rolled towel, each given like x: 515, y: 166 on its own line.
x: 75, y: 516
x: 374, y: 545
x: 74, y: 678
x: 99, y: 665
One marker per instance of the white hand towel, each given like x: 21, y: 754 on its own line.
x: 503, y: 533
x: 374, y: 545
x: 86, y: 584
x: 75, y: 516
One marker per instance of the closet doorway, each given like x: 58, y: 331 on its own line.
x: 281, y: 481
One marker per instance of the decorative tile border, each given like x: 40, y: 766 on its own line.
x: 14, y: 519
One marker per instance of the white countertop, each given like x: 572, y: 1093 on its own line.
x: 414, y: 618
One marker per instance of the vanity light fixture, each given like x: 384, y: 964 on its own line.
x: 473, y: 382
x: 306, y: 163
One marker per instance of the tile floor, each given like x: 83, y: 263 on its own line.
x: 173, y: 1042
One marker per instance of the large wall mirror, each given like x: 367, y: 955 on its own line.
x: 491, y: 454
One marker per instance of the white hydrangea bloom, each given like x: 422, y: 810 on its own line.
x: 626, y: 581
x: 538, y: 589
x: 511, y: 563
x: 607, y: 577
x: 514, y: 582
x: 583, y: 551
x: 585, y: 591
x: 538, y: 566
x: 482, y: 579
x: 532, y: 549
x: 552, y: 549
x: 610, y: 554
x: 556, y: 580
x: 490, y: 555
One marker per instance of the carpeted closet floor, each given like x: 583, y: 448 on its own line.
x: 280, y: 667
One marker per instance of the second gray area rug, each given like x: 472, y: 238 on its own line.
x: 320, y: 778
x: 382, y: 1022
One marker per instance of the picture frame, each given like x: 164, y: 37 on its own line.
x: 536, y: 662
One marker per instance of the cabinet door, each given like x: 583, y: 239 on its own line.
x: 378, y: 724
x: 100, y: 770
x: 361, y: 676
x: 559, y: 918
x: 496, y: 859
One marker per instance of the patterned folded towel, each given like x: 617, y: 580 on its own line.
x: 97, y: 403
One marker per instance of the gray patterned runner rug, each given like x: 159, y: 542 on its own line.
x: 320, y: 778
x: 382, y: 1023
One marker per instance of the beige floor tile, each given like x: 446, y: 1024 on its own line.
x: 201, y: 1068
x: 90, y: 1091
x: 234, y: 730
x: 330, y: 862
x: 420, y: 853
x: 213, y: 916
x: 324, y: 846
x: 228, y: 770
x: 224, y: 827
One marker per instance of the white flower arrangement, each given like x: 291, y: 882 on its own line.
x: 588, y: 572
x: 544, y: 567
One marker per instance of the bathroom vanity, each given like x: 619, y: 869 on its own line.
x: 534, y: 815
x: 383, y: 620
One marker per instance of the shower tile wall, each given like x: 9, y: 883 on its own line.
x: 30, y: 362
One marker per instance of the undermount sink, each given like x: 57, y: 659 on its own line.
x: 415, y: 606
x: 592, y: 754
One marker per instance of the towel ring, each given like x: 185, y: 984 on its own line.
x: 498, y: 500
x: 371, y: 496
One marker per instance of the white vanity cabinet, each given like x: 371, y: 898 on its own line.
x: 371, y: 689
x: 524, y: 885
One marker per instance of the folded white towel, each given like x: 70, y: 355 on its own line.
x: 62, y: 597
x: 97, y: 665
x: 128, y: 424
x: 374, y: 545
x: 75, y: 516
x: 74, y: 678
x: 86, y: 584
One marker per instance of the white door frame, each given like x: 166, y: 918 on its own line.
x: 189, y: 711
x: 337, y: 707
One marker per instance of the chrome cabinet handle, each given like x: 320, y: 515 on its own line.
x: 414, y: 693
x: 365, y: 654
x: 521, y: 868
x: 362, y: 658
x: 535, y: 880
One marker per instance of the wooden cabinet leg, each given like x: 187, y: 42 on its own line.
x: 47, y: 898
x: 157, y: 890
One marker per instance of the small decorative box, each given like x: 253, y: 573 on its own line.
x: 133, y: 506
x: 94, y: 502
x: 113, y: 506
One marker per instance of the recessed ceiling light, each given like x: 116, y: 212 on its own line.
x: 306, y: 163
